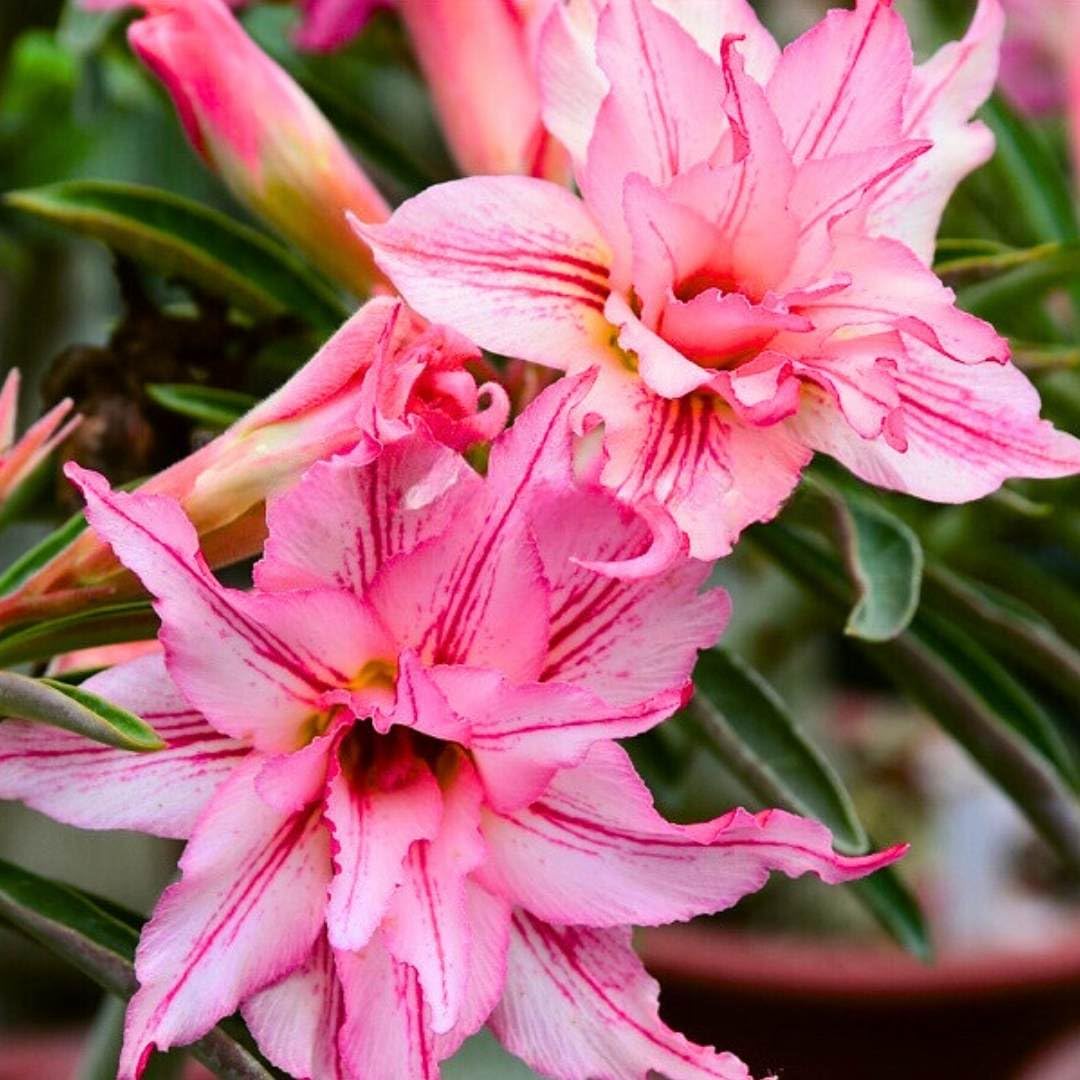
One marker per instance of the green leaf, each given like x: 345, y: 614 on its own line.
x: 897, y: 909
x: 209, y: 405
x: 1019, y: 278
x: 1002, y: 623
x: 41, y: 553
x: 99, y: 939
x: 1027, y: 166
x: 113, y: 625
x: 177, y: 236
x: 72, y: 708
x: 958, y: 683
x: 971, y: 267
x: 750, y: 729
x: 884, y: 560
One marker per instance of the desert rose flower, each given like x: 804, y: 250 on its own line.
x: 748, y: 265
x: 382, y: 373
x: 406, y: 816
x: 20, y: 457
x: 260, y: 132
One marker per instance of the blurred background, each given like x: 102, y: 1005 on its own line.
x: 801, y: 980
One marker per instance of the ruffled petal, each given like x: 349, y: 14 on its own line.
x: 593, y: 851
x: 245, y: 913
x: 579, y: 1003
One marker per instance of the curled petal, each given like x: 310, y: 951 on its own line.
x: 611, y: 859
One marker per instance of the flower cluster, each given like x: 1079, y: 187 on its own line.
x: 394, y: 757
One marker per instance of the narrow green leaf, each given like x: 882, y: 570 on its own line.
x: 209, y: 405
x: 1027, y: 166
x: 41, y: 553
x: 885, y: 562
x: 113, y: 625
x: 897, y: 909
x: 1001, y: 622
x: 99, y: 939
x: 48, y: 701
x: 1034, y: 356
x: 958, y: 683
x: 1022, y: 278
x: 183, y: 238
x: 967, y: 269
x: 752, y: 732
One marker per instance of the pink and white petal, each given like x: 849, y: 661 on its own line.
x: 763, y: 391
x: 346, y: 516
x: 663, y: 114
x: 715, y: 474
x: 296, y: 1021
x: 578, y: 1003
x: 93, y: 786
x: 572, y: 86
x: 386, y: 1034
x: 623, y: 640
x: 709, y: 22
x: 663, y: 368
x: 273, y: 654
x: 967, y: 429
x: 891, y: 289
x: 827, y: 188
x: 840, y: 87
x: 330, y: 24
x: 718, y: 329
x: 289, y: 782
x: 593, y: 851
x: 521, y: 735
x: 246, y: 912
x: 489, y: 921
x: 943, y: 95
x: 515, y: 264
x: 427, y: 925
x: 376, y: 810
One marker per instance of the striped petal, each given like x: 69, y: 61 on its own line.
x: 246, y: 912
x: 93, y: 786
x: 578, y: 1003
x: 610, y: 859
x: 274, y: 655
x: 297, y: 1020
x: 840, y: 87
x: 515, y: 264
x: 376, y: 810
x: 348, y: 516
x: 428, y: 924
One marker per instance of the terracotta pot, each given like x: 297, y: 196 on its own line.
x: 838, y: 1012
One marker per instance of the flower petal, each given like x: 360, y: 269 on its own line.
x: 93, y: 786
x: 593, y: 851
x: 663, y: 113
x: 348, y: 516
x: 840, y: 87
x: 274, y: 654
x: 385, y: 1035
x: 623, y: 640
x: 967, y: 428
x: 296, y: 1021
x: 246, y: 912
x: 714, y: 474
x: 428, y: 925
x: 579, y: 1003
x: 943, y: 95
x: 376, y: 810
x: 709, y: 22
x: 515, y: 264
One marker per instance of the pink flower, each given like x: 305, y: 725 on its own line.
x: 394, y: 762
x: 329, y: 24
x: 380, y: 375
x: 19, y: 458
x: 748, y: 265
x: 259, y: 131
